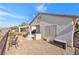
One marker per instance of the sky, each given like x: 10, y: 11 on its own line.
x: 13, y: 14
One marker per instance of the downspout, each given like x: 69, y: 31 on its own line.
x: 73, y: 24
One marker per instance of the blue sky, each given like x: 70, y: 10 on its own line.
x: 15, y: 13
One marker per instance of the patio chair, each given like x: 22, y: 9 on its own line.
x: 12, y: 42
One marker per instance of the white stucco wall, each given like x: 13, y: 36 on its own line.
x: 64, y: 27
x: 33, y: 28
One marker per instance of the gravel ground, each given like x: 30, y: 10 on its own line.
x: 35, y: 47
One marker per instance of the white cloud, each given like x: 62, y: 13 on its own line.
x: 1, y: 22
x: 7, y: 12
x: 34, y: 15
x: 41, y: 8
x: 2, y: 18
x: 11, y: 15
x: 2, y: 8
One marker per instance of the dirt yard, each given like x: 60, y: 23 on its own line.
x: 2, y: 33
x: 35, y: 47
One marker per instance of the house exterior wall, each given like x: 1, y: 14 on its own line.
x: 64, y: 29
x: 33, y: 28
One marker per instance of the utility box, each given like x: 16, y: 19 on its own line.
x: 38, y: 36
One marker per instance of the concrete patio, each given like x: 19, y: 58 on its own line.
x: 35, y: 47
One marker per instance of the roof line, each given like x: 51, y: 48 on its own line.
x: 34, y: 18
x: 59, y: 14
x: 52, y: 14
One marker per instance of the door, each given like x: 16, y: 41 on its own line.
x: 50, y: 32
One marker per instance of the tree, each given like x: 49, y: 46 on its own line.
x: 23, y: 24
x: 14, y: 27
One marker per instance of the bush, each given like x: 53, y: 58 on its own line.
x: 23, y: 24
x: 12, y: 34
x: 14, y: 27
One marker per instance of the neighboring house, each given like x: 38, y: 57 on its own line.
x: 55, y: 27
x: 23, y: 28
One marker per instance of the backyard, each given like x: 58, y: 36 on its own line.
x: 36, y: 47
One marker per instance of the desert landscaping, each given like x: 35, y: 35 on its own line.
x: 35, y: 47
x: 39, y: 47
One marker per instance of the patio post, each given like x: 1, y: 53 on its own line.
x: 30, y: 30
x: 30, y: 35
x: 19, y: 29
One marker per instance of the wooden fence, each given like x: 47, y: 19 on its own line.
x: 3, y: 43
